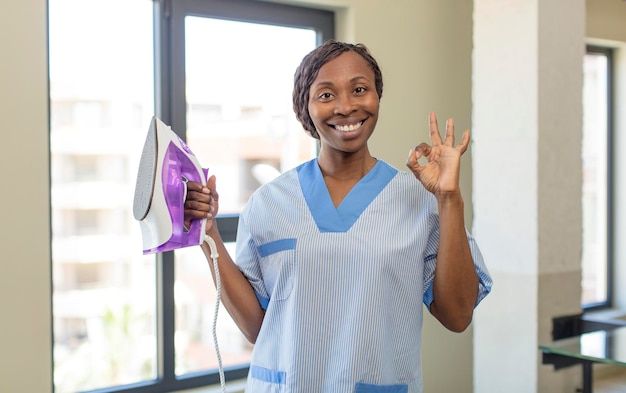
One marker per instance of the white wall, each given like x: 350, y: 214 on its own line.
x: 25, y: 332
x: 500, y: 84
x: 527, y: 185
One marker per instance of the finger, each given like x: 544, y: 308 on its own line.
x: 423, y: 149
x: 198, y: 187
x: 212, y: 187
x: 195, y: 205
x: 213, y: 208
x: 414, y: 155
x: 192, y: 214
x: 194, y: 186
x: 198, y: 196
x: 434, y: 129
x: 462, y: 147
x: 411, y: 160
x: 449, y: 133
x: 187, y: 223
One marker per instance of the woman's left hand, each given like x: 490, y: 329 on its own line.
x: 440, y: 175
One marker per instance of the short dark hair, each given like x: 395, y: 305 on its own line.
x: 309, y: 68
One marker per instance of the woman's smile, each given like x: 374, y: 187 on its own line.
x: 347, y: 127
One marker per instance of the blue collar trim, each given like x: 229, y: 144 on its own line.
x: 340, y: 219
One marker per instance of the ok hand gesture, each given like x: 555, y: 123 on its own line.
x: 440, y: 175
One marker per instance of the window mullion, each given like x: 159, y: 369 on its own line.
x: 167, y: 318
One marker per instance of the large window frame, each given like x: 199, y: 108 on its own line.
x: 610, y: 180
x: 171, y: 108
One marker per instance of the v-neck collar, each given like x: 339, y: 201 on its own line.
x: 341, y: 218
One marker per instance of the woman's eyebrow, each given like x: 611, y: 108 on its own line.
x: 323, y: 84
x: 356, y: 78
x: 329, y: 83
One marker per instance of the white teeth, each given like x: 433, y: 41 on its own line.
x: 348, y: 127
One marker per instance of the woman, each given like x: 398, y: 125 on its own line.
x: 335, y: 256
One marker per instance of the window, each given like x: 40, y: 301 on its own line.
x: 123, y: 321
x: 597, y: 178
x: 104, y: 299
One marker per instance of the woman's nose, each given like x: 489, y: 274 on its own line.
x: 345, y: 104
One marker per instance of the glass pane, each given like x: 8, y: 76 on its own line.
x: 195, y: 308
x: 101, y: 97
x: 240, y: 120
x: 594, y: 194
x: 240, y: 124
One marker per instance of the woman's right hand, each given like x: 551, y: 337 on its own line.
x: 202, y: 202
x: 237, y: 293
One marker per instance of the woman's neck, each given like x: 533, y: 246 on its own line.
x: 346, y: 166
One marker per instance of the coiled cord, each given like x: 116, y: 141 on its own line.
x: 218, y: 298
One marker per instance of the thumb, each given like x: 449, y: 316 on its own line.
x: 211, y: 185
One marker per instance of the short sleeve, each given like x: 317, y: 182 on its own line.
x: 430, y: 262
x: 247, y: 259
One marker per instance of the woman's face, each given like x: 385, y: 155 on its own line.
x: 343, y: 103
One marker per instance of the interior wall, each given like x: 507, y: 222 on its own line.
x: 424, y: 49
x: 606, y: 19
x: 25, y: 361
x: 527, y: 177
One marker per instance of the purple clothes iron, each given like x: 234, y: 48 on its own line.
x: 165, y: 167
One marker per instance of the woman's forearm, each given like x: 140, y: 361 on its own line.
x: 237, y: 294
x: 455, y: 286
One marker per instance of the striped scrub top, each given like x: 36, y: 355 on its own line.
x: 343, y: 287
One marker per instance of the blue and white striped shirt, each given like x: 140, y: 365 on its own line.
x: 342, y: 287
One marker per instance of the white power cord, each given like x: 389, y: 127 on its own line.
x: 218, y: 289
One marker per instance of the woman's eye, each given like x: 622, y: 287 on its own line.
x: 360, y: 90
x: 325, y: 96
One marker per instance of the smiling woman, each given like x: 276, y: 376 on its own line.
x: 341, y: 251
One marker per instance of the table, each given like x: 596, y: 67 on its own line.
x: 602, y: 346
